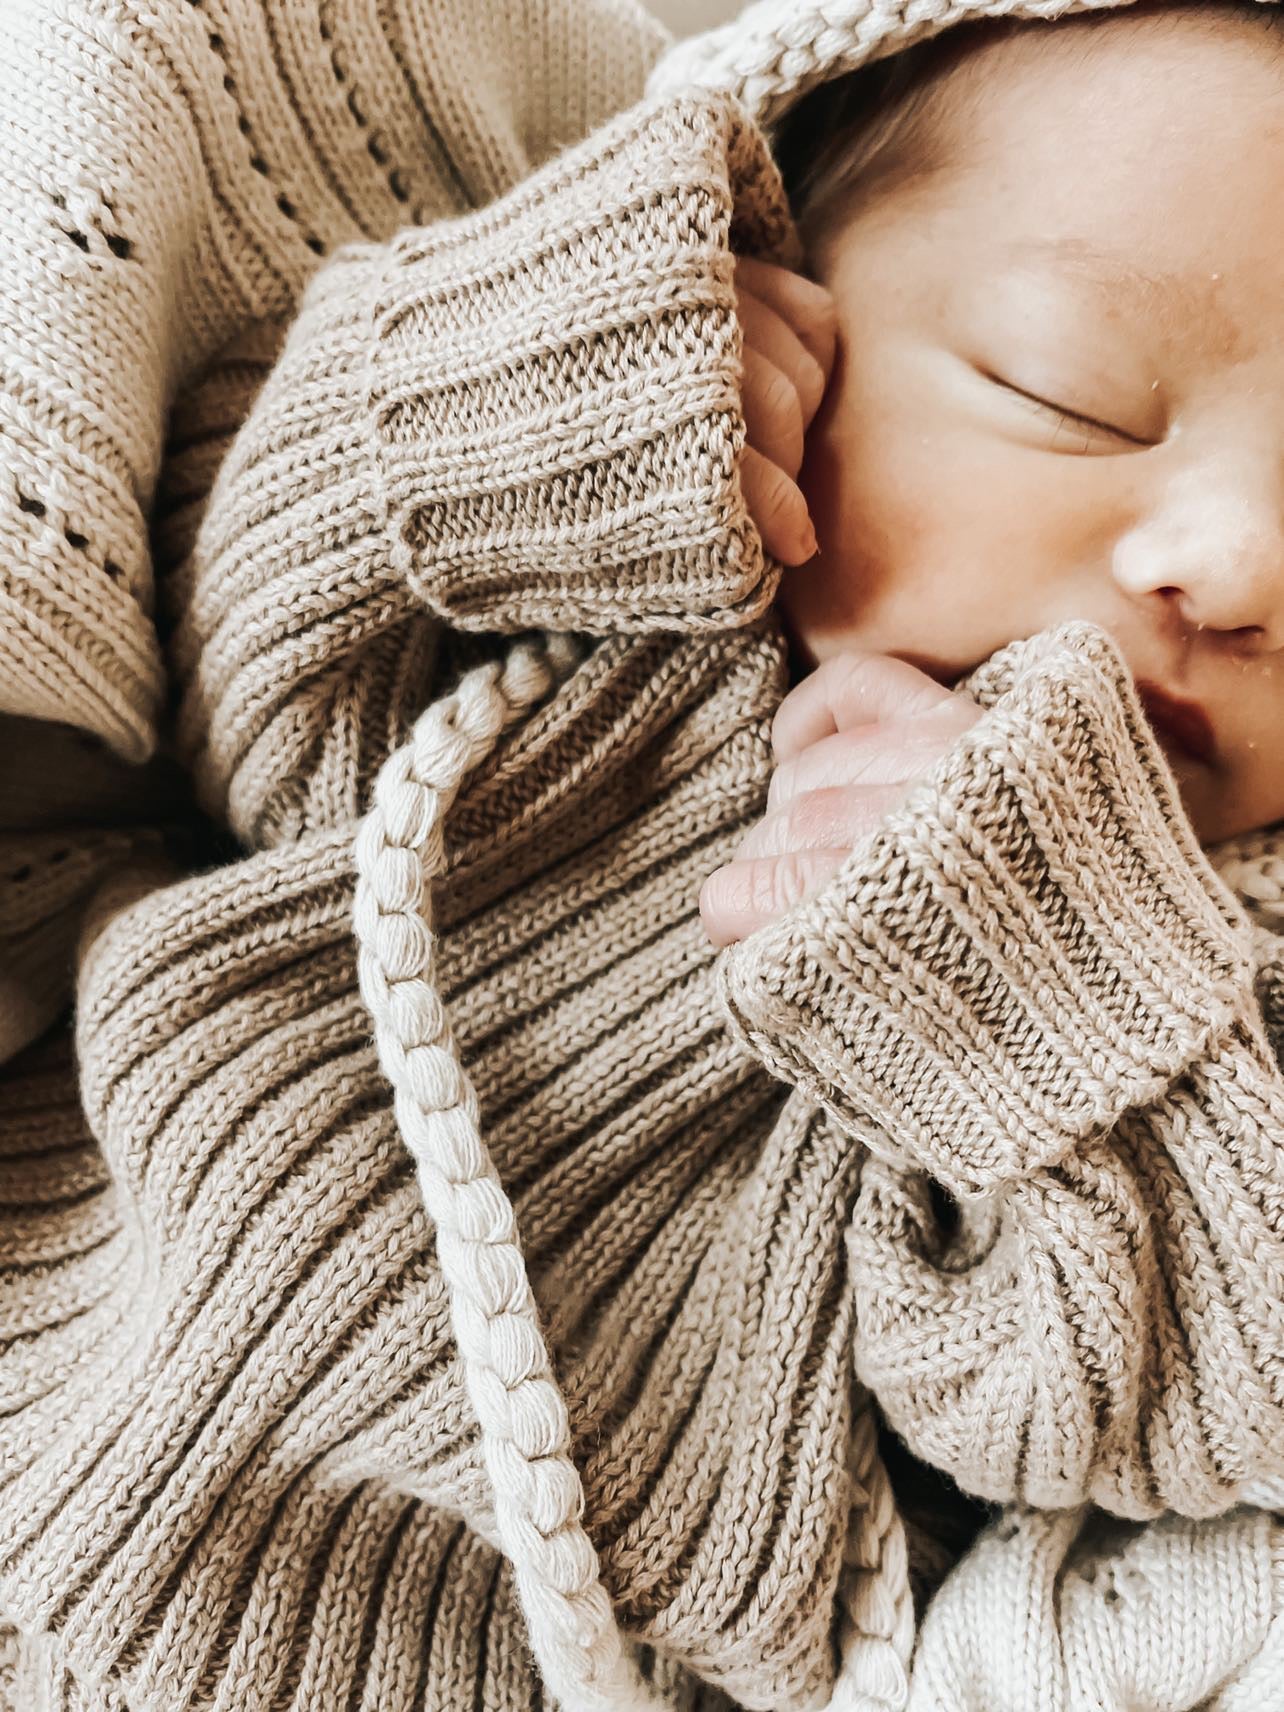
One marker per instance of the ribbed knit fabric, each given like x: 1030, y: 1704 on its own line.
x: 528, y: 416
x: 683, y: 1231
x: 431, y: 1297
x: 1031, y: 989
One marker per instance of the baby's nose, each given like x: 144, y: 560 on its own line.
x: 1213, y: 553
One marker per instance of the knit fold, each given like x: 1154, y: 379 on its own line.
x: 526, y: 416
x: 268, y: 1403
x: 46, y: 877
x: 1030, y: 947
x: 556, y: 385
x: 1032, y: 1000
x: 1110, y: 1328
x: 70, y: 814
x: 174, y: 174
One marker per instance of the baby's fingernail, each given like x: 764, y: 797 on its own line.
x: 810, y: 543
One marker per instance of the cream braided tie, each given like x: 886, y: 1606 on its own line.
x: 876, y: 1632
x: 525, y: 1435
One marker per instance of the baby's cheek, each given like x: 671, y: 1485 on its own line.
x: 939, y: 540
x: 887, y: 510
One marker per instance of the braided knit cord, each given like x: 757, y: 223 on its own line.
x: 876, y: 1623
x: 525, y: 1433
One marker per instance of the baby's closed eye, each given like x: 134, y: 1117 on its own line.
x: 1095, y: 421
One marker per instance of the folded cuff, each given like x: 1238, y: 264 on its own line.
x: 1031, y: 946
x: 555, y: 385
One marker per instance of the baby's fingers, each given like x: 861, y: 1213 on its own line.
x: 857, y: 688
x: 808, y: 308
x: 778, y: 509
x: 765, y: 332
x: 838, y: 817
x: 868, y: 758
x: 741, y: 897
x: 772, y: 412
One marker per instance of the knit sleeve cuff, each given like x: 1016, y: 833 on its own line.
x: 555, y: 385
x: 1031, y: 946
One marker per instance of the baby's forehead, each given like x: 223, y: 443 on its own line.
x: 1170, y: 299
x: 979, y: 68
x: 1109, y: 139
x: 1108, y: 150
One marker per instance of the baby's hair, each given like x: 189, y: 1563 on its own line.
x: 871, y: 129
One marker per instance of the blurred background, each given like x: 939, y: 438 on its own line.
x: 685, y: 17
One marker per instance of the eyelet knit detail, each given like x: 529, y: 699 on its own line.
x: 174, y: 175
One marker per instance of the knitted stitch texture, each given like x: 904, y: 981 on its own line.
x: 173, y: 175
x: 527, y: 416
x: 683, y: 1229
x: 1071, y: 1613
x: 1062, y: 1031
x: 275, y: 1303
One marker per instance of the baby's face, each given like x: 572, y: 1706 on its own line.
x: 1059, y: 391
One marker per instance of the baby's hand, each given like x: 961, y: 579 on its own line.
x: 789, y: 327
x: 850, y: 741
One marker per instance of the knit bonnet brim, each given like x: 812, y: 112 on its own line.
x: 777, y: 51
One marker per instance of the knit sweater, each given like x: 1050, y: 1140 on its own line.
x: 435, y: 1279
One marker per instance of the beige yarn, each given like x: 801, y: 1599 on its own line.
x: 45, y: 879
x: 489, y: 446
x: 1060, y: 1027
x: 229, y: 1428
x: 295, y: 696
x: 258, y: 1445
x: 172, y: 176
x: 70, y: 814
x: 1069, y: 1614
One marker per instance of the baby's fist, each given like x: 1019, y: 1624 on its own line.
x: 850, y: 742
x: 789, y: 325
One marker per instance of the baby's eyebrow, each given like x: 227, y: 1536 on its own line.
x: 1175, y: 301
